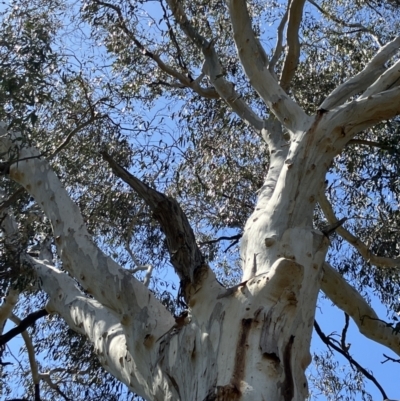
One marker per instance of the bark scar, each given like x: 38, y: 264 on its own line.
x: 288, y: 387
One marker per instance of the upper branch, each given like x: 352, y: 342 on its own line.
x: 363, y: 79
x: 255, y: 63
x: 213, y: 69
x: 362, y: 113
x: 185, y: 254
x: 345, y: 297
x: 379, y: 261
x: 343, y: 23
x: 279, y: 44
x: 184, y: 80
x: 293, y: 43
x: 389, y: 79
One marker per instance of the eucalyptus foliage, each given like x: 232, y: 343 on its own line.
x: 122, y: 76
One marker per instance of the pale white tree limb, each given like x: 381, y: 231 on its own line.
x: 10, y: 227
x: 348, y: 299
x: 379, y: 261
x: 98, y: 274
x: 279, y: 44
x: 363, y: 79
x: 292, y: 43
x: 101, y: 325
x: 213, y: 69
x: 8, y: 305
x: 360, y: 114
x: 255, y: 63
x: 387, y: 80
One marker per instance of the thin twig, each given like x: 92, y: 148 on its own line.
x: 331, y: 344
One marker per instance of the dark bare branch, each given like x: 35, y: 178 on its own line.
x: 345, y: 353
x: 25, y: 323
x: 11, y: 200
x: 185, y: 254
x: 373, y: 144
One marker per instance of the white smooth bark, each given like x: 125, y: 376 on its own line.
x: 293, y: 42
x: 347, y: 298
x: 255, y: 63
x: 213, y: 69
x: 379, y: 261
x: 363, y: 79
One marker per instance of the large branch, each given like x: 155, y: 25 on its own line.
x: 379, y: 261
x: 119, y: 342
x: 98, y: 274
x: 389, y: 79
x: 213, y: 69
x: 360, y: 114
x: 363, y: 79
x: 347, y: 298
x: 185, y: 254
x: 255, y: 63
x: 292, y: 42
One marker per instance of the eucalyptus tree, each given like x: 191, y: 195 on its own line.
x: 137, y: 136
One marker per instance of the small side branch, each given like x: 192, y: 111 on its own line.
x: 185, y: 81
x: 31, y: 355
x: 331, y: 343
x: 373, y: 144
x: 22, y: 326
x: 379, y: 261
x: 223, y: 238
x: 339, y: 21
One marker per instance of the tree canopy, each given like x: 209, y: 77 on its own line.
x: 149, y: 109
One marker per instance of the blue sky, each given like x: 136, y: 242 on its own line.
x: 366, y: 352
